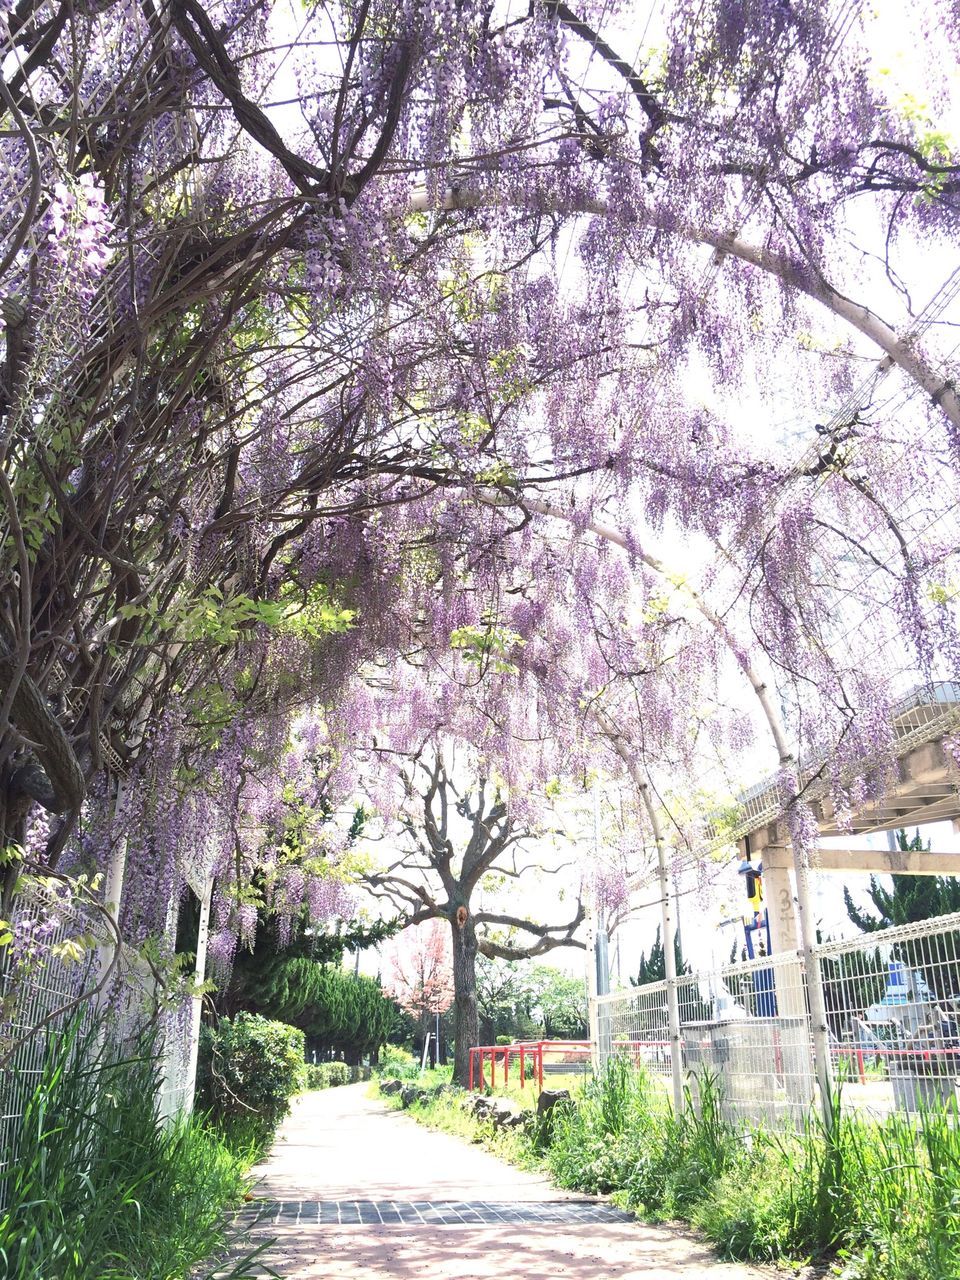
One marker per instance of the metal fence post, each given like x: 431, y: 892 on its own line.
x: 639, y: 780
x: 593, y: 1010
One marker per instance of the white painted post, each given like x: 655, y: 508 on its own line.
x: 173, y: 1054
x: 113, y: 894
x: 593, y: 1008
x: 196, y: 1001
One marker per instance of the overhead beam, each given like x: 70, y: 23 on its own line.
x: 891, y: 862
x: 923, y: 788
x: 886, y: 816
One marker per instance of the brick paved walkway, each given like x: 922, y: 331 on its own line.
x: 352, y: 1191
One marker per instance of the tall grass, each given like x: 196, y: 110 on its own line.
x: 882, y: 1195
x: 624, y: 1136
x: 96, y: 1188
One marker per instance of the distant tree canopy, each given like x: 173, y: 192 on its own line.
x: 419, y: 973
x: 652, y: 967
x: 912, y: 898
x: 529, y: 1002
x: 342, y: 1015
x: 449, y: 831
x: 561, y: 1002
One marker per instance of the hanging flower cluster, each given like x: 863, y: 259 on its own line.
x: 80, y: 229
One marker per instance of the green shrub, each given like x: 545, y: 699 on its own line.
x: 701, y: 1146
x: 592, y: 1146
x: 884, y: 1195
x: 766, y: 1209
x: 325, y: 1075
x: 99, y: 1188
x: 789, y: 1200
x: 398, y: 1063
x: 901, y: 1192
x: 341, y: 1013
x: 337, y: 1073
x: 250, y: 1068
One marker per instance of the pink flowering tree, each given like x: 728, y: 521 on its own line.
x: 419, y: 973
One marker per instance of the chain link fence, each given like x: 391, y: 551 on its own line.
x: 39, y: 991
x: 893, y: 1012
x: 49, y: 976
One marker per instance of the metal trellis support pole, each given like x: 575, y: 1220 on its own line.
x: 669, y: 937
x: 639, y: 780
x: 814, y: 980
x: 670, y: 968
x: 593, y: 1007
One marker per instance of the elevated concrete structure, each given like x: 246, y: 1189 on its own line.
x: 923, y: 787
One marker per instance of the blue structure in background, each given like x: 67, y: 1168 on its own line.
x: 756, y: 933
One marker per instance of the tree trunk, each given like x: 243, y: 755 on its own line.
x: 466, y: 1022
x: 14, y: 809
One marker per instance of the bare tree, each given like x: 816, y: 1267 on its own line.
x: 450, y: 839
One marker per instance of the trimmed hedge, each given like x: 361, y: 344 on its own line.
x: 326, y: 1075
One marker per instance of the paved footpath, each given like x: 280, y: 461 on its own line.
x: 354, y: 1191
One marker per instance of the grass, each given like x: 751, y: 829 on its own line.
x: 875, y: 1200
x: 98, y: 1188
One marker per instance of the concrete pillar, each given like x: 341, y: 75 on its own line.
x: 172, y: 1059
x: 780, y: 901
x: 112, y: 896
x: 778, y: 897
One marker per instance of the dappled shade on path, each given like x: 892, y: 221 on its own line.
x: 344, y: 1164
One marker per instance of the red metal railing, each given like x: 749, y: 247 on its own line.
x: 523, y: 1051
x: 573, y: 1052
